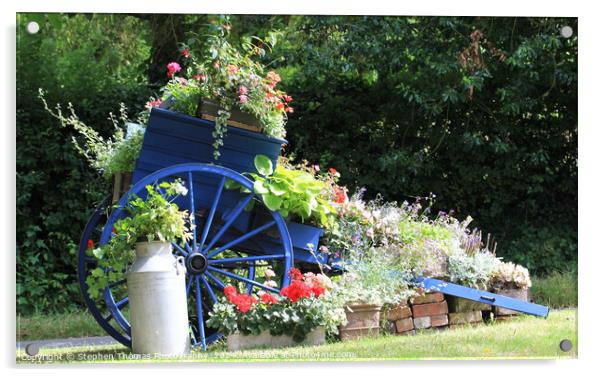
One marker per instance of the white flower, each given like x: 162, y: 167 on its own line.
x: 269, y: 273
x: 180, y: 189
x: 271, y: 284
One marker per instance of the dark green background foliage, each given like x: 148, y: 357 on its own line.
x: 385, y: 100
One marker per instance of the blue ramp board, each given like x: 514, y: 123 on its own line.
x: 482, y: 296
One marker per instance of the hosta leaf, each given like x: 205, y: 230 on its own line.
x: 263, y: 165
x: 273, y: 202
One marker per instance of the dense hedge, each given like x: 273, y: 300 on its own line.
x: 392, y: 103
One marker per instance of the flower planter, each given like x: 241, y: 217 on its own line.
x: 208, y: 110
x: 238, y: 341
x: 362, y: 320
x: 517, y: 293
x: 172, y: 138
x: 302, y: 236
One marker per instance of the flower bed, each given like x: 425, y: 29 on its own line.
x: 296, y: 313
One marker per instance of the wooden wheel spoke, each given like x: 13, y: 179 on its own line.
x: 243, y: 279
x: 242, y: 238
x: 231, y: 218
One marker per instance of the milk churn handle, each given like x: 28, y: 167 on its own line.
x: 179, y: 265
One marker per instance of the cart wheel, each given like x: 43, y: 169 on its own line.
x: 86, y: 262
x: 221, y: 251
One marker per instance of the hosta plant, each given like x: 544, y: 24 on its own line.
x: 295, y: 192
x: 300, y: 308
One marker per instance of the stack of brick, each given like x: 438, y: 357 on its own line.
x: 429, y: 310
x: 400, y: 319
x: 463, y: 312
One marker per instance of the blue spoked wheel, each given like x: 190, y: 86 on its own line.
x: 227, y: 247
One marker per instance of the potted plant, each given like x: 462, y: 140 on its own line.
x: 512, y: 280
x: 227, y: 85
x: 301, y: 314
x: 115, y: 157
x: 368, y: 283
x: 306, y: 199
x: 155, y: 278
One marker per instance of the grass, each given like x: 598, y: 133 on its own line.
x: 524, y: 337
x: 58, y: 325
x: 557, y: 290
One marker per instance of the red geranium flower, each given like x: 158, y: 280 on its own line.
x: 90, y: 244
x: 332, y: 171
x: 186, y: 53
x: 267, y: 298
x: 230, y: 291
x: 340, y: 195
x: 297, y: 290
x: 295, y: 274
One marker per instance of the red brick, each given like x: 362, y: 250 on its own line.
x: 399, y: 312
x: 427, y: 298
x: 404, y: 325
x: 429, y: 309
x: 439, y: 320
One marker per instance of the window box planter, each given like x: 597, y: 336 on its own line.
x: 238, y: 341
x: 362, y: 320
x: 208, y: 110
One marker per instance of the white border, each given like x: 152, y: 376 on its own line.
x: 589, y: 171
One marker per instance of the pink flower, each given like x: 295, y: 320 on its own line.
x: 243, y: 90
x: 273, y: 77
x: 154, y: 103
x: 197, y: 77
x: 231, y: 69
x: 243, y: 98
x: 186, y: 53
x: 172, y: 68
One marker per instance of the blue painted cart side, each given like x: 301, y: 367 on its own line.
x: 172, y: 138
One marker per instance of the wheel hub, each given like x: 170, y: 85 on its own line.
x: 196, y: 263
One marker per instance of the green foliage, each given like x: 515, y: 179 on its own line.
x: 154, y: 218
x: 473, y: 270
x: 373, y: 280
x: 115, y: 155
x: 557, y: 290
x: 94, y: 62
x: 387, y: 101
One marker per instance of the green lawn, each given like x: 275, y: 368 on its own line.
x: 524, y: 337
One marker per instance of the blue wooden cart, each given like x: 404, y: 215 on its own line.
x: 228, y: 242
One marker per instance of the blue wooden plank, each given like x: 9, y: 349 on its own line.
x: 173, y: 138
x: 482, y: 296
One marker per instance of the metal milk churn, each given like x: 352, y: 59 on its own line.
x: 157, y: 299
